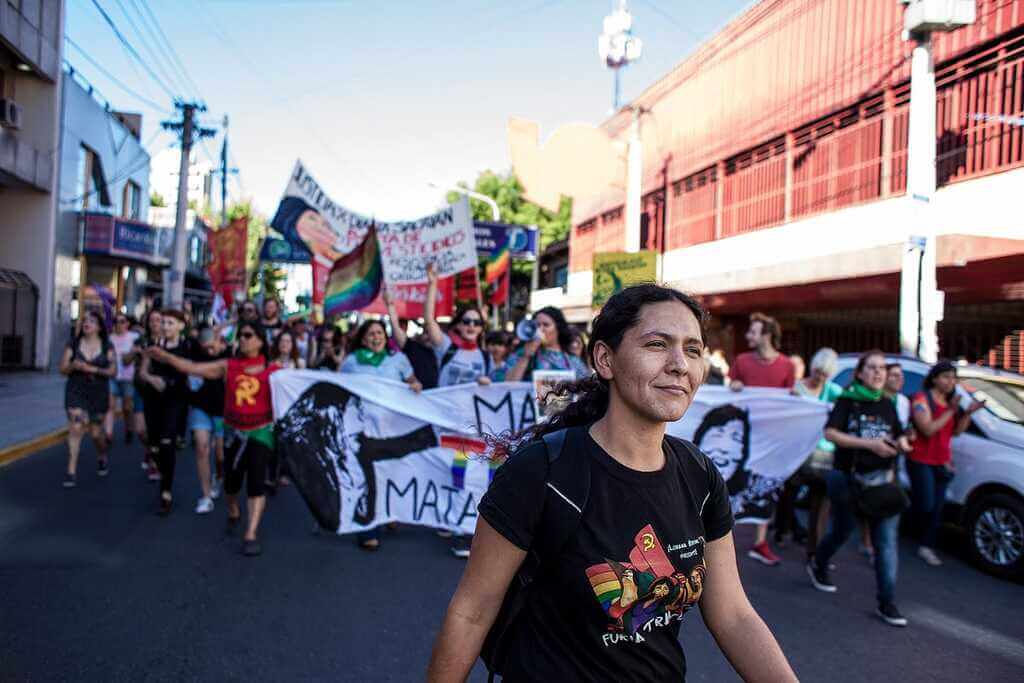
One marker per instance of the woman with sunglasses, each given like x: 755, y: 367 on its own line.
x: 371, y: 356
x: 460, y: 357
x: 168, y: 402
x: 248, y: 422
x: 89, y: 364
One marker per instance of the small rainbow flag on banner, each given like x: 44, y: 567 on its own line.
x: 496, y: 273
x: 463, y: 446
x: 355, y: 278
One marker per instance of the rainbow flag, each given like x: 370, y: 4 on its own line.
x: 465, y: 448
x: 496, y: 273
x: 606, y: 584
x: 355, y: 278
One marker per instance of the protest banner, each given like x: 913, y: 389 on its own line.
x: 275, y: 250
x: 365, y: 451
x: 227, y: 258
x: 614, y: 271
x: 444, y: 239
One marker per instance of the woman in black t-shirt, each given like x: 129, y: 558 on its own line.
x: 654, y: 536
x: 169, y: 401
x: 868, y: 436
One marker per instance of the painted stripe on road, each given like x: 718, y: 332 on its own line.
x: 26, y: 448
x: 977, y: 636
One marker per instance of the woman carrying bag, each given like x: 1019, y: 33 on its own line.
x: 653, y: 525
x: 867, y: 434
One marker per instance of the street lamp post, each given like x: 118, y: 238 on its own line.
x: 617, y: 46
x: 496, y: 215
x: 921, y: 304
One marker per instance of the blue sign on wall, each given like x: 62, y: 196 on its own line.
x: 490, y: 237
x: 111, y: 236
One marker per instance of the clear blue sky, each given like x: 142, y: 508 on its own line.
x: 379, y: 97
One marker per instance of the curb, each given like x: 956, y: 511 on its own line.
x: 27, y: 448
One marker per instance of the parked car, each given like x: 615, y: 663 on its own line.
x: 986, y: 497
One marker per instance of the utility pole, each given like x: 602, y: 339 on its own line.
x: 174, y: 285
x: 921, y: 302
x: 224, y: 171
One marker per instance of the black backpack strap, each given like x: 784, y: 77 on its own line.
x: 447, y: 357
x: 568, y: 489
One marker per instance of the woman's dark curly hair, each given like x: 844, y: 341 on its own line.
x: 621, y: 313
x: 358, y: 339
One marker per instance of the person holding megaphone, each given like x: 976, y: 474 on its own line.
x: 546, y: 339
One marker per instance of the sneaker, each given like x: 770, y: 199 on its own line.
x: 890, y: 615
x: 763, y: 554
x: 153, y: 474
x: 820, y: 578
x: 69, y: 481
x: 929, y: 556
x: 461, y: 545
x: 215, y: 488
x: 145, y: 466
x: 102, y: 469
x: 444, y: 533
x: 204, y: 506
x: 252, y: 548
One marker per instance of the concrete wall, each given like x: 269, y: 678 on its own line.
x: 27, y: 208
x: 123, y: 159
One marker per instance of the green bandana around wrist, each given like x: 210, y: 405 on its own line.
x: 368, y: 357
x: 859, y: 392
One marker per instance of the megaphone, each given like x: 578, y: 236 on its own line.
x: 526, y: 330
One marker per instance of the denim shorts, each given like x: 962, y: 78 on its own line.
x: 125, y: 389
x: 199, y: 419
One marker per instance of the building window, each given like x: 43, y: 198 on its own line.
x: 91, y: 185
x: 131, y: 203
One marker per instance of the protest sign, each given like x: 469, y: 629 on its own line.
x: 365, y: 451
x: 614, y: 271
x: 444, y: 239
x: 544, y: 382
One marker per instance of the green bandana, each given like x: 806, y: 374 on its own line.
x: 859, y: 392
x: 368, y: 357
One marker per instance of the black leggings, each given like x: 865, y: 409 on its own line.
x: 245, y: 458
x: 167, y: 415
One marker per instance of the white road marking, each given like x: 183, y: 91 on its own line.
x: 977, y: 636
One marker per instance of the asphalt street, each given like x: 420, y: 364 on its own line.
x: 94, y: 586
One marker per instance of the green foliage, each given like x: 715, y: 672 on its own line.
x: 507, y: 191
x: 157, y: 200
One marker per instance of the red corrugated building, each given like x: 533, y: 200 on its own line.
x: 775, y: 176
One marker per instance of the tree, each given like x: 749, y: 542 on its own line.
x: 507, y: 191
x: 157, y: 200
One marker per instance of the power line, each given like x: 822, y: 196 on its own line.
x: 113, y: 79
x: 147, y: 45
x: 175, y: 58
x: 134, y: 53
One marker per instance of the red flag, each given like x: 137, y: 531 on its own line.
x: 227, y: 258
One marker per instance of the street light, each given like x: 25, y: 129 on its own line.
x: 495, y: 211
x: 921, y: 304
x: 617, y: 46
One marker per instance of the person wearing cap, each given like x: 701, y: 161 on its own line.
x: 936, y: 418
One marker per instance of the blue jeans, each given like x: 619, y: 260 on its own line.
x: 928, y: 495
x: 884, y: 536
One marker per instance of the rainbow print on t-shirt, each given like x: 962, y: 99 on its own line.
x: 464, y: 448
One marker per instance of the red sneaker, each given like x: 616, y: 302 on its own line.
x: 763, y: 554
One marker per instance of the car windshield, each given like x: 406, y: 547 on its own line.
x: 1005, y: 400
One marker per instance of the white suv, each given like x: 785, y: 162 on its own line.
x: 987, y: 493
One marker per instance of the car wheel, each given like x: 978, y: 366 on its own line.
x: 995, y: 529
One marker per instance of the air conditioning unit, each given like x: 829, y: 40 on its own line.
x: 928, y: 16
x: 10, y: 113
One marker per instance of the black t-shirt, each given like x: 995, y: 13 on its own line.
x: 610, y: 605
x: 209, y: 397
x: 423, y: 361
x: 868, y: 420
x: 177, y: 384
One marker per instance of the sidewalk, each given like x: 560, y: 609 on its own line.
x: 31, y: 407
